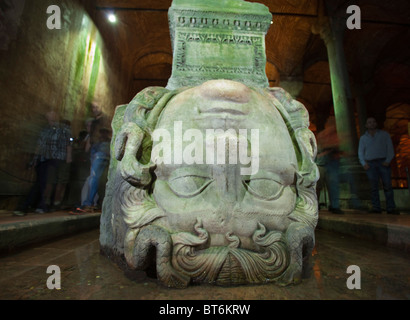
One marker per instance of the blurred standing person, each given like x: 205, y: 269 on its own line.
x: 53, y: 148
x: 375, y: 154
x: 328, y: 163
x: 100, y: 134
x: 59, y: 174
x: 86, y: 149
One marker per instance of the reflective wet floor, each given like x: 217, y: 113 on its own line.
x: 88, y: 275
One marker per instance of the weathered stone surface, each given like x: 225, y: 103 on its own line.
x: 208, y: 222
x: 218, y: 39
x: 42, y: 69
x: 217, y: 179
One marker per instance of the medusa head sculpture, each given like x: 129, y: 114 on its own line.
x: 213, y: 183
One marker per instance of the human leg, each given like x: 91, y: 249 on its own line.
x: 332, y: 168
x: 98, y: 166
x: 63, y: 175
x: 33, y: 196
x: 45, y: 168
x: 85, y: 190
x: 373, y: 176
x: 385, y: 174
x: 30, y: 200
x: 50, y: 183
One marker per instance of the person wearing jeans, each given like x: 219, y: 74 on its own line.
x: 375, y: 172
x: 99, y: 162
x: 375, y: 154
x: 98, y: 143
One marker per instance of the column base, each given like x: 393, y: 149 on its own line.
x: 354, y: 185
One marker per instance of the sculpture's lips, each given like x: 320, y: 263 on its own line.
x: 224, y: 110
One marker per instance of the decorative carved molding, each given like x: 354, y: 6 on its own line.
x: 210, y: 44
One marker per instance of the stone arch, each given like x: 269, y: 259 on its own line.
x: 159, y: 63
x: 397, y: 123
x: 273, y: 74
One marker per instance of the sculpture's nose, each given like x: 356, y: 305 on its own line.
x: 229, y: 184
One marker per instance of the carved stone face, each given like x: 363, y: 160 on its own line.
x: 218, y: 178
x: 228, y: 202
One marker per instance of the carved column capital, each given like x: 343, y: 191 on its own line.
x: 322, y: 28
x: 330, y: 29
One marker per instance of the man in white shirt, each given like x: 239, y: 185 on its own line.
x: 375, y: 154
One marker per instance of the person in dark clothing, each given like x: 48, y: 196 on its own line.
x: 52, y: 150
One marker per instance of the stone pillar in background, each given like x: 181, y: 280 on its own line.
x: 331, y: 30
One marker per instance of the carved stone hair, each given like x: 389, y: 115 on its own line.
x: 133, y: 143
x: 129, y: 202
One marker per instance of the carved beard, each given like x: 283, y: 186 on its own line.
x: 185, y: 257
x: 228, y: 265
x: 132, y: 218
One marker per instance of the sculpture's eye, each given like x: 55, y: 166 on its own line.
x: 264, y: 188
x: 189, y: 186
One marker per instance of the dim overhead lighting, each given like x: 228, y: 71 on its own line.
x: 112, y: 18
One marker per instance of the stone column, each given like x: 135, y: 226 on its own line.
x: 331, y: 30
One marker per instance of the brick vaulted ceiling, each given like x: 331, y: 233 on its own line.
x: 377, y: 55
